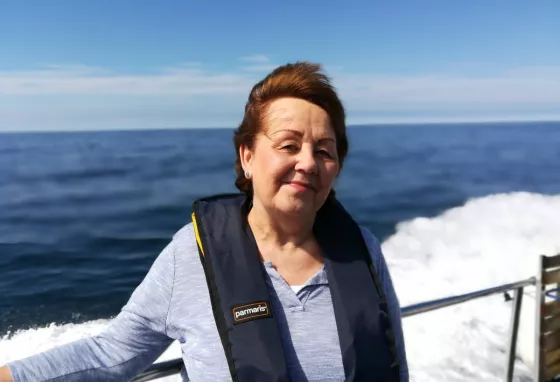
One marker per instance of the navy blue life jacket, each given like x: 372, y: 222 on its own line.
x: 241, y: 303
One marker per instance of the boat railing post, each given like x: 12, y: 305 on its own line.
x: 538, y: 377
x: 513, y: 332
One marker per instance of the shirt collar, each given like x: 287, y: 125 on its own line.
x: 319, y: 278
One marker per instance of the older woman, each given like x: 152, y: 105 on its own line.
x: 277, y: 283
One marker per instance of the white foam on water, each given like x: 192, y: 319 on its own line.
x: 488, y: 241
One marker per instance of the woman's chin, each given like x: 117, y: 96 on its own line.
x: 297, y: 206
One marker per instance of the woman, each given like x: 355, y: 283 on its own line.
x: 277, y: 283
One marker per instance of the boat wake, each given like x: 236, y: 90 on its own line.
x: 486, y: 242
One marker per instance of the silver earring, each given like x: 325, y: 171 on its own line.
x: 247, y: 174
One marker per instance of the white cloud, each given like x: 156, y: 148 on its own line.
x: 63, y: 80
x: 257, y: 63
x: 256, y: 59
x: 443, y: 91
x: 523, y: 85
x: 73, y: 96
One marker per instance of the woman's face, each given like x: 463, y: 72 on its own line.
x: 294, y: 161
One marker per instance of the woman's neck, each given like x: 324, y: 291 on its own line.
x: 283, y: 231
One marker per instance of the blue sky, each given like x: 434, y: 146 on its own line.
x: 75, y: 65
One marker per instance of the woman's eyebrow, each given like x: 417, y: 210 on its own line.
x: 300, y: 134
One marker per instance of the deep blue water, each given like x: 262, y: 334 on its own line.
x: 84, y: 215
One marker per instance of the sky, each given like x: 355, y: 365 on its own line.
x: 98, y: 65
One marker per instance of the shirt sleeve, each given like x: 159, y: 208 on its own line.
x: 393, y: 304
x: 131, y: 343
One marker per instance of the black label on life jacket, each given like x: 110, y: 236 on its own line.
x: 248, y: 312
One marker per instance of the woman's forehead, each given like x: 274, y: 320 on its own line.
x: 301, y: 118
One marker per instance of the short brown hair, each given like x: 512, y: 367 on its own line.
x: 302, y: 80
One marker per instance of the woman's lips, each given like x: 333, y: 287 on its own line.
x: 301, y: 186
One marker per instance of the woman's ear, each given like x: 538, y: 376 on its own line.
x: 246, y: 156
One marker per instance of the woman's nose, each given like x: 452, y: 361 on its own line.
x: 307, y: 161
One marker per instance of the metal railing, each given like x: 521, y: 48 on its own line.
x: 164, y: 369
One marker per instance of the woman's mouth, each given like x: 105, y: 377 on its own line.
x: 301, y: 186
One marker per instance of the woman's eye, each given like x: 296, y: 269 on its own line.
x: 325, y: 153
x: 289, y: 148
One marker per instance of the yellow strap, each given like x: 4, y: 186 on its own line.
x: 197, y: 235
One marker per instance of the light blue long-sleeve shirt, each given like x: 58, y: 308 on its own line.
x: 173, y: 303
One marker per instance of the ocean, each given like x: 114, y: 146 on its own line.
x: 457, y: 207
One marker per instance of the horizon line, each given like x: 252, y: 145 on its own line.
x: 348, y: 125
